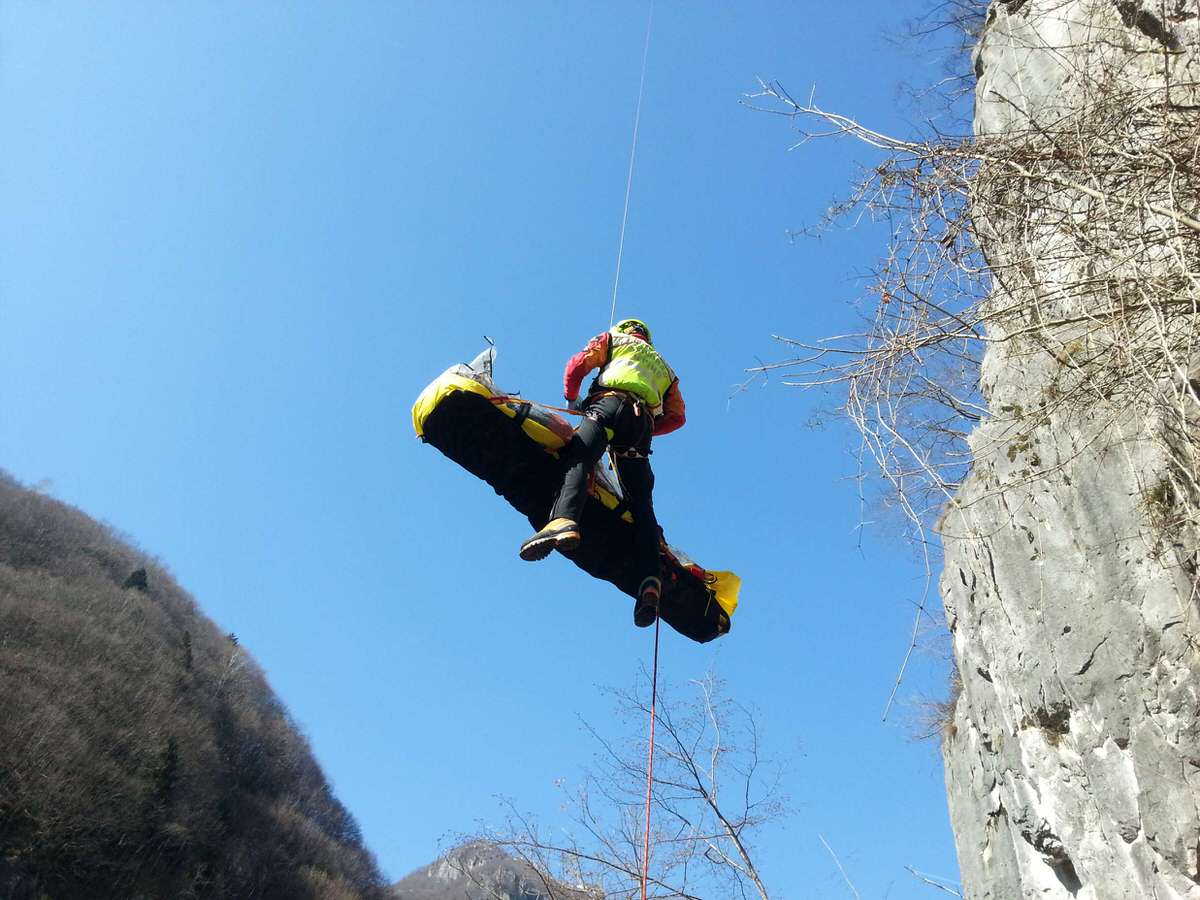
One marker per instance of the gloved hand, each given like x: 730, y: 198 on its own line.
x: 576, y: 404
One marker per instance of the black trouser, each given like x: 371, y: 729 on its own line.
x: 632, y: 425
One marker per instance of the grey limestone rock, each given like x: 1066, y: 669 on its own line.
x: 1073, y: 756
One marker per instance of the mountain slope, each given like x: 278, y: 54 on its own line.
x: 482, y: 871
x: 142, y: 753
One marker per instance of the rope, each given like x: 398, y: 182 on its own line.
x: 637, y: 119
x: 650, y: 763
x: 500, y: 399
x: 612, y: 315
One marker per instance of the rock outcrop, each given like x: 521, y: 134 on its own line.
x: 1070, y: 581
x: 480, y: 870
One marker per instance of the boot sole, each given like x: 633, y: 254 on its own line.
x: 539, y: 546
x: 644, y: 614
x: 644, y: 619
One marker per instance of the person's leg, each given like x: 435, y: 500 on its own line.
x: 578, y: 458
x: 632, y: 444
x: 637, y: 482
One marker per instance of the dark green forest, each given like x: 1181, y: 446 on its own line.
x: 142, y: 753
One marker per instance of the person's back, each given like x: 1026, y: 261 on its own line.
x: 634, y: 397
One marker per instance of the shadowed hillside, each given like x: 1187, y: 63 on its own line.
x: 142, y: 753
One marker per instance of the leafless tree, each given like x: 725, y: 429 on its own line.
x: 1068, y: 244
x: 711, y: 794
x: 1107, y: 195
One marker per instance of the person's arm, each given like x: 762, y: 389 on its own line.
x: 672, y: 415
x: 594, y: 355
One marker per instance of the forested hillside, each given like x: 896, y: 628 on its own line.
x: 142, y: 753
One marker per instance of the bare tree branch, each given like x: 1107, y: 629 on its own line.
x: 710, y: 795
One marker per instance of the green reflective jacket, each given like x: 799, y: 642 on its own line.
x: 635, y: 366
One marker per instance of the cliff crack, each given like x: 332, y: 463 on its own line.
x: 1092, y: 656
x: 995, y: 584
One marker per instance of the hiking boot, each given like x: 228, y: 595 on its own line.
x: 645, y: 609
x: 559, y: 534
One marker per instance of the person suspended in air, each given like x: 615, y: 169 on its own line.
x: 634, y: 397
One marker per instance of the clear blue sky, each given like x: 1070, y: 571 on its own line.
x: 238, y: 239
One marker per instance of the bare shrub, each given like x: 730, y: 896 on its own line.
x: 935, y: 717
x: 711, y: 794
x: 1105, y: 197
x: 1065, y: 247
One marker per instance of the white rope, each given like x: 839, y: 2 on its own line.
x: 637, y: 118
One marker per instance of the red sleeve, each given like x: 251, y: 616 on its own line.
x: 672, y: 415
x: 594, y: 355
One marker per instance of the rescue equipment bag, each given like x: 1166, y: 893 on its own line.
x: 513, y: 445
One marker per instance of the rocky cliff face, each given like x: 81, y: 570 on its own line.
x: 1073, y: 756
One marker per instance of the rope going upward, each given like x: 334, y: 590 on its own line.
x: 637, y: 119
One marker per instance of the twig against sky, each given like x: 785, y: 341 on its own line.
x: 932, y: 882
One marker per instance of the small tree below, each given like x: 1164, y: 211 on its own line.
x: 711, y: 793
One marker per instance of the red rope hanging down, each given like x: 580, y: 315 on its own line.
x: 650, y: 763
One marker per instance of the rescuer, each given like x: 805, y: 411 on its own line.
x: 635, y: 396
